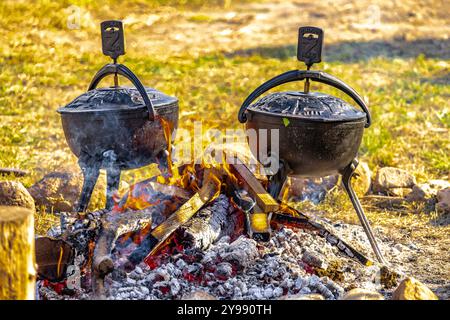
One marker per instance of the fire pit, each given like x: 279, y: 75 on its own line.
x: 166, y: 241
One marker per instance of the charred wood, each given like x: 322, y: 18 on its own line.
x: 113, y: 227
x: 206, y: 226
x: 158, y: 236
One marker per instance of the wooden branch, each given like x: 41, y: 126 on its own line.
x: 112, y: 228
x: 151, y: 244
x: 15, y: 172
x: 17, y: 260
x: 249, y: 182
x: 210, y: 188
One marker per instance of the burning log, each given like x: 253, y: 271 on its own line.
x: 257, y: 203
x: 53, y: 257
x: 206, y: 226
x: 17, y: 266
x: 113, y: 226
x: 258, y: 218
x: 151, y: 244
x: 249, y: 182
x: 258, y: 224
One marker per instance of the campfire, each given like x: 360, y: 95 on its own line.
x: 212, y: 227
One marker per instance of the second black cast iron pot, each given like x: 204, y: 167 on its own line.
x: 319, y: 134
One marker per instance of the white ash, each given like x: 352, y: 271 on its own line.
x: 245, y: 269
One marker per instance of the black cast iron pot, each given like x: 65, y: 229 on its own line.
x: 319, y: 134
x: 117, y: 128
x: 322, y: 137
x: 128, y: 122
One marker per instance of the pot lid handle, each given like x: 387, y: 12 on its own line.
x: 113, y: 68
x: 296, y: 75
x: 113, y: 41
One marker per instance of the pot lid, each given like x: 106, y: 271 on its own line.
x: 313, y: 106
x: 117, y: 99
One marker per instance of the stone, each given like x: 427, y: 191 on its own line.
x: 13, y: 193
x: 412, y: 289
x: 312, y: 296
x: 198, y: 295
x: 389, y: 178
x: 362, y: 294
x: 419, y: 193
x: 438, y: 184
x: 59, y: 191
x: 399, y: 192
x: 443, y: 198
x: 425, y: 191
x: 362, y: 179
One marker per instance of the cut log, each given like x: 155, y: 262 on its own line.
x: 249, y: 182
x: 17, y: 261
x: 112, y: 228
x: 245, y: 179
x: 206, y: 226
x: 151, y: 244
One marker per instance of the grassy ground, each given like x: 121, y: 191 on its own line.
x: 212, y: 57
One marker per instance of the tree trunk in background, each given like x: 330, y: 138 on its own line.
x: 17, y: 260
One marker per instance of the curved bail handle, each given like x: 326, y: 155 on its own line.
x: 113, y: 68
x: 295, y: 75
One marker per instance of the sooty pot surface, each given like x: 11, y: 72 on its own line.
x: 319, y: 134
x: 126, y: 130
x: 118, y: 127
x: 311, y: 149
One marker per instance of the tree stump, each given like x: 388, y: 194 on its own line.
x: 17, y: 260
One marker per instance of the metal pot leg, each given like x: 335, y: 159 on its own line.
x: 277, y: 181
x: 109, y: 162
x: 346, y: 181
x: 112, y: 185
x: 91, y: 171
